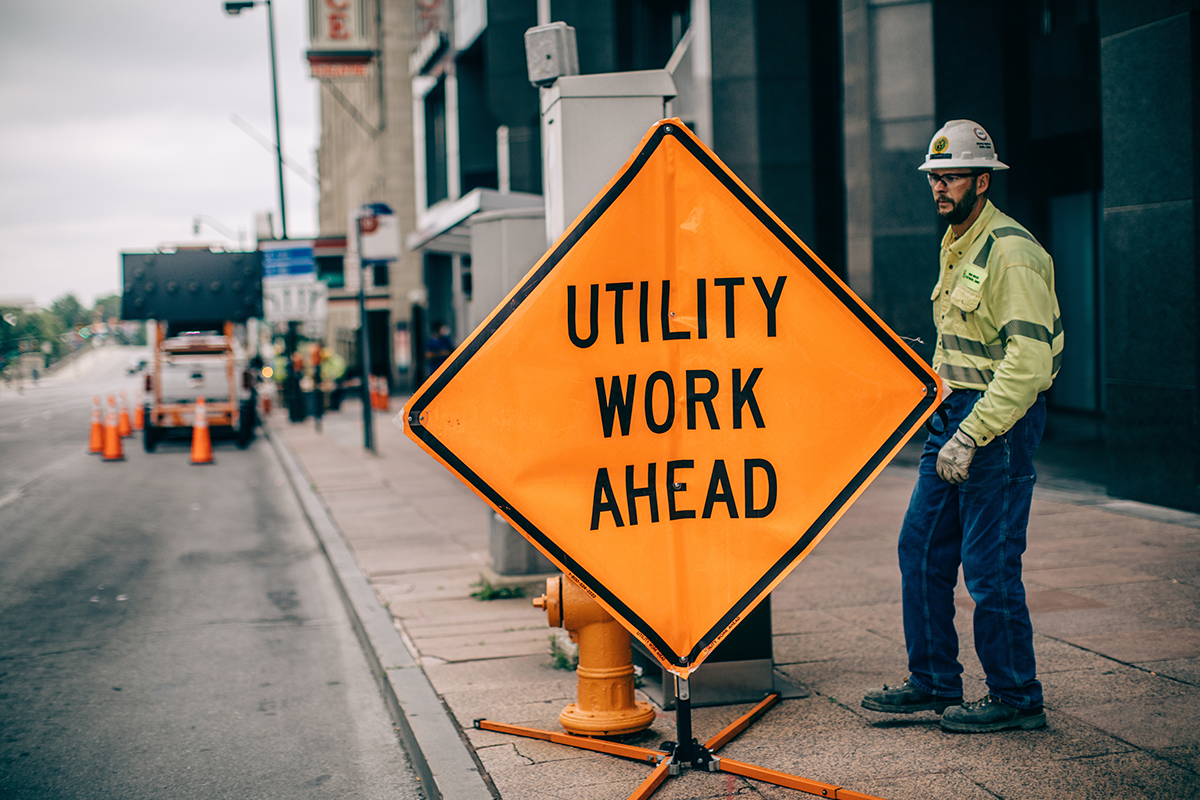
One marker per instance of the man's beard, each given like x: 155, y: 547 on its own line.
x: 962, y: 209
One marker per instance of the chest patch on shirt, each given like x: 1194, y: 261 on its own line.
x: 973, y: 276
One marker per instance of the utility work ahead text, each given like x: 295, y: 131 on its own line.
x: 693, y: 399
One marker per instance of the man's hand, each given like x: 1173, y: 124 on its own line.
x: 955, y: 458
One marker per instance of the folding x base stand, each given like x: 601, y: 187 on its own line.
x: 687, y: 753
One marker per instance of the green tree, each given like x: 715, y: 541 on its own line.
x: 20, y: 332
x: 50, y: 328
x: 109, y: 306
x: 72, y: 313
x: 9, y: 332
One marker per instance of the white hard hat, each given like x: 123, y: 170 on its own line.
x: 961, y: 143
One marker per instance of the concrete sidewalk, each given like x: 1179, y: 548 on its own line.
x: 1114, y: 589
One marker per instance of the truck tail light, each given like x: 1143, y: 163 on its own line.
x: 149, y: 383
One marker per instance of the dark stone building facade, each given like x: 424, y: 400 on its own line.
x: 825, y: 107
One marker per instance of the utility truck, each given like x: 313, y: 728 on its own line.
x: 197, y: 298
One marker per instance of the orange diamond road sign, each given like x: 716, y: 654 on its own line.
x: 677, y: 402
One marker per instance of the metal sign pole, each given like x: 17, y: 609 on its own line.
x: 278, y: 134
x: 364, y: 344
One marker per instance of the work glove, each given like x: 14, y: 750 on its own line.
x: 955, y: 458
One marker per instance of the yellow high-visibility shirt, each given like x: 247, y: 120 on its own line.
x: 997, y: 319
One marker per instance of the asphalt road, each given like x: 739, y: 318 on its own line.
x: 167, y: 629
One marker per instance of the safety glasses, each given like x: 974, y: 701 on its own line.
x: 947, y: 178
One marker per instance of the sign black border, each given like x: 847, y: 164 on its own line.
x: 581, y: 227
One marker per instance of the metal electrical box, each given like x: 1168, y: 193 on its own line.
x: 590, y: 125
x: 192, y: 285
x: 740, y: 670
x: 505, y: 245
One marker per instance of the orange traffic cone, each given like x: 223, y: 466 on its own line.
x: 379, y: 396
x: 112, y: 438
x: 124, y: 429
x: 201, y: 443
x: 139, y: 416
x: 96, y: 442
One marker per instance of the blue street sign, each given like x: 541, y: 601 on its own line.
x: 288, y: 262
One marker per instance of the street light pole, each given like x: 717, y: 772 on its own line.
x: 364, y: 340
x: 233, y: 9
x: 278, y: 134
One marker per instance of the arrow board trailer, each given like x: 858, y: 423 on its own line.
x: 195, y: 296
x: 677, y: 402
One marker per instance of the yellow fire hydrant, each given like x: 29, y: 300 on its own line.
x: 605, y: 704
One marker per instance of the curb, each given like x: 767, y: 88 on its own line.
x: 439, y: 753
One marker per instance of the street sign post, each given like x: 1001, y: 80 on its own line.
x: 677, y: 402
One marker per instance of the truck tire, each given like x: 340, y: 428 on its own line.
x: 150, y: 434
x: 246, y: 422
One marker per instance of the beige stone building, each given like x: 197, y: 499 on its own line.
x: 365, y: 156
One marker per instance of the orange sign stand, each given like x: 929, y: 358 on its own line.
x: 670, y: 760
x: 681, y: 380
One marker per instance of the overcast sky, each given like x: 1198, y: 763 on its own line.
x: 117, y: 129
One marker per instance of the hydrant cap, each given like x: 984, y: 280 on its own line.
x: 551, y: 601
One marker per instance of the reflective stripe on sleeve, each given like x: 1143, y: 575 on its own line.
x: 952, y: 372
x: 1030, y: 330
x: 972, y: 347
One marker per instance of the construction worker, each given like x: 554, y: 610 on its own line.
x: 999, y: 346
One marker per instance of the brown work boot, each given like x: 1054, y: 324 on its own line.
x: 907, y: 698
x: 991, y: 714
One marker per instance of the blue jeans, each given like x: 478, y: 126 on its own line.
x: 981, y: 525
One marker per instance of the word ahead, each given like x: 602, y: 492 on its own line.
x: 720, y: 492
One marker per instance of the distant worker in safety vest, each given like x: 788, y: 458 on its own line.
x: 999, y: 346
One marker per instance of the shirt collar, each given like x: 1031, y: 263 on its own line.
x: 956, y: 247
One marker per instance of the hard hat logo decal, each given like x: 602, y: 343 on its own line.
x: 940, y: 144
x: 981, y: 133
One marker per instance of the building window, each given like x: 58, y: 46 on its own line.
x: 381, y: 275
x: 467, y: 283
x: 903, y: 60
x: 647, y: 31
x: 437, y: 186
x: 332, y: 270
x: 476, y: 124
